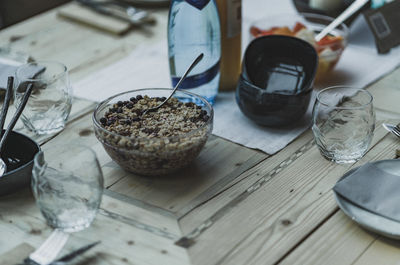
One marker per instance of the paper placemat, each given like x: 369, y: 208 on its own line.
x: 147, y: 66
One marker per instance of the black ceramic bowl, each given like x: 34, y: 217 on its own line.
x: 277, y: 77
x: 19, y: 152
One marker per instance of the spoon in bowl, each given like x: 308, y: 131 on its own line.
x: 195, y: 62
x: 10, y: 81
x: 354, y: 7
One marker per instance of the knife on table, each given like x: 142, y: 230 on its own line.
x: 66, y: 258
x: 70, y: 256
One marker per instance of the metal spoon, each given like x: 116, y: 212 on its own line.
x: 3, y: 167
x: 354, y: 7
x: 195, y: 62
x: 3, y: 116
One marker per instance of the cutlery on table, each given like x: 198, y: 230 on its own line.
x: 3, y: 137
x: 119, y: 10
x: 354, y: 7
x: 49, y: 250
x: 51, y: 247
x: 67, y: 258
x: 392, y: 128
x: 194, y: 63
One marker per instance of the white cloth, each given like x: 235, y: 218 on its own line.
x: 147, y: 66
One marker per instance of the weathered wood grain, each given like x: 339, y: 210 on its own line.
x: 13, y: 256
x: 219, y: 163
x: 233, y: 205
x: 278, y: 214
x: 342, y: 245
x: 141, y: 214
x: 91, y: 18
x: 386, y: 93
x: 308, y: 250
x: 234, y: 189
x: 122, y: 243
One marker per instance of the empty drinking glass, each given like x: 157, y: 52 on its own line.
x: 49, y: 106
x: 67, y: 183
x: 343, y: 123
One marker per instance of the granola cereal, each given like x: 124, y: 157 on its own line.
x: 158, y: 142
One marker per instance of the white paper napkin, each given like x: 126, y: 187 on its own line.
x: 372, y: 189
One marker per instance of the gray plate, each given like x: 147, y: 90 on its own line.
x: 371, y: 221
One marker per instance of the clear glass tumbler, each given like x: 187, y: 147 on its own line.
x: 49, y: 106
x: 343, y: 123
x: 67, y: 183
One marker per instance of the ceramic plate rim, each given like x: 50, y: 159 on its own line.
x: 344, y: 204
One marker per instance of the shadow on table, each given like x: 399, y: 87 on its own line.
x: 336, y: 77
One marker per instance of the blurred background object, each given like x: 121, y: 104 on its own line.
x: 332, y: 8
x: 13, y: 11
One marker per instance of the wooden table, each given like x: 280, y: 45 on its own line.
x: 233, y: 205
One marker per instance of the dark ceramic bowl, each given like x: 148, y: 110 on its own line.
x: 277, y: 78
x: 18, y: 155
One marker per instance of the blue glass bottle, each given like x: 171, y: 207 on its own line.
x: 193, y: 28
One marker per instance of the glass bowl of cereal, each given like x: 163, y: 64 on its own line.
x: 306, y: 26
x: 158, y: 142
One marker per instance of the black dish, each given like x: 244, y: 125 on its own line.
x: 277, y: 77
x: 19, y: 152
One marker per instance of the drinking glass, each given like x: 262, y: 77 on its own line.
x: 343, y: 123
x: 49, y: 105
x: 67, y: 183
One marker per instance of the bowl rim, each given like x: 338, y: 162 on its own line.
x: 8, y: 173
x: 309, y: 84
x: 103, y: 103
x: 263, y: 91
x: 345, y: 29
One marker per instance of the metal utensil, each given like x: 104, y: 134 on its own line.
x: 354, y: 7
x: 392, y: 128
x: 3, y: 116
x: 119, y: 10
x: 49, y: 249
x: 70, y: 256
x: 3, y: 167
x: 195, y: 62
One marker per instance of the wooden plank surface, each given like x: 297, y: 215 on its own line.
x: 122, y: 242
x: 386, y: 149
x: 233, y: 205
x: 218, y: 164
x: 91, y: 18
x: 275, y: 216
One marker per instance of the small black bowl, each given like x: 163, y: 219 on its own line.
x: 277, y: 78
x: 19, y: 152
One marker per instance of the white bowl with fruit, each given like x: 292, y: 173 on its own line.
x: 306, y: 26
